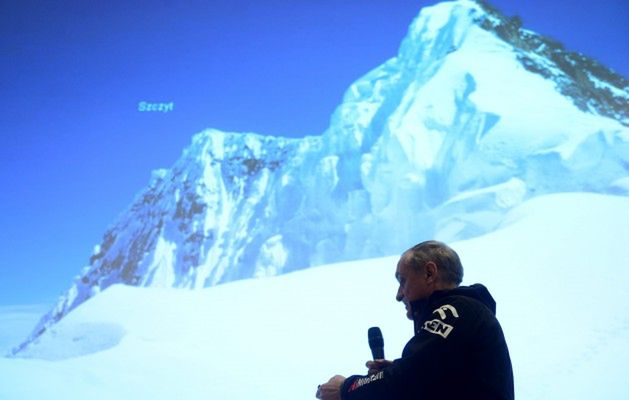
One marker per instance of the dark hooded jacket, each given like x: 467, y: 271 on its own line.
x: 458, y: 352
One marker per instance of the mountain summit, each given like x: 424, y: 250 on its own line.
x: 472, y: 117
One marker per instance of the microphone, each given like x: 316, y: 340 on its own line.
x: 376, y: 343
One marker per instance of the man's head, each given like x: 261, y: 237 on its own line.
x: 425, y: 268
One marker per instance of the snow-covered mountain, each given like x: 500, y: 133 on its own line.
x: 471, y: 118
x: 557, y: 270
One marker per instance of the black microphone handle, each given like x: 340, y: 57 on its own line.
x: 377, y: 353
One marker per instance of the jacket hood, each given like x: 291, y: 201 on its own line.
x: 476, y: 291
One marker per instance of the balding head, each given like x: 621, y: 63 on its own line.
x: 446, y: 259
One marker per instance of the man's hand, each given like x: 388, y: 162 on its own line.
x: 331, y: 390
x: 375, y: 366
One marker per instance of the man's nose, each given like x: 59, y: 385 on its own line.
x: 399, y: 296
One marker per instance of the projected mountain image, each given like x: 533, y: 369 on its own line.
x: 474, y: 116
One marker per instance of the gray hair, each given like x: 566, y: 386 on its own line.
x: 449, y: 263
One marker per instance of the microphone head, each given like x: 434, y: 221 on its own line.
x: 376, y: 343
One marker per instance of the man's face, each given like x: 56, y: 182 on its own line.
x: 414, y: 285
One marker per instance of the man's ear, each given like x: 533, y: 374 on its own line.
x: 431, y: 270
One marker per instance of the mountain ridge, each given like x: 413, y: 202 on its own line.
x: 583, y: 88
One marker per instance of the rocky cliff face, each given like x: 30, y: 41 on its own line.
x: 473, y: 116
x: 589, y: 84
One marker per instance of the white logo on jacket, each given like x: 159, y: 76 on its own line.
x: 437, y: 326
x: 442, y: 311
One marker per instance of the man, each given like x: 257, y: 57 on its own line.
x: 458, y: 351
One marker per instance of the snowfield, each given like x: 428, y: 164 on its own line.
x: 557, y: 268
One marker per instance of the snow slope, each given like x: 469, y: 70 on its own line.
x: 557, y: 268
x: 16, y: 322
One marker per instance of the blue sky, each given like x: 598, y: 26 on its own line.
x: 75, y: 150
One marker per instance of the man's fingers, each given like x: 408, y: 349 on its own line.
x: 331, y: 390
x: 378, y: 363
